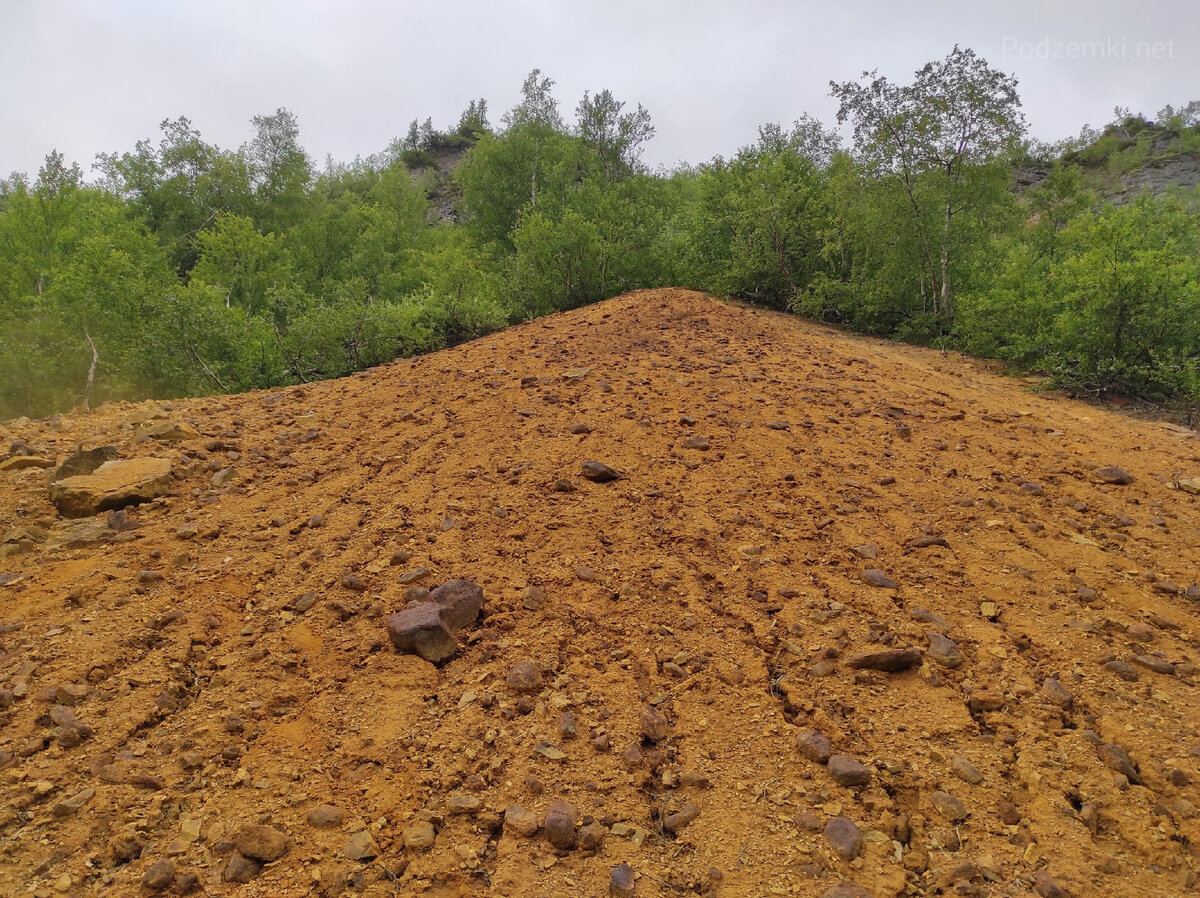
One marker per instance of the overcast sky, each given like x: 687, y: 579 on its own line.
x: 86, y: 77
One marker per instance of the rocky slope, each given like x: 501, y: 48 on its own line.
x: 852, y: 618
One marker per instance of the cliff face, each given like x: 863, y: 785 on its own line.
x: 765, y: 609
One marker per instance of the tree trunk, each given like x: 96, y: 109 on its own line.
x: 91, y: 375
x: 945, y: 301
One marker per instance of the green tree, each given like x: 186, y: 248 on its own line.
x: 925, y: 138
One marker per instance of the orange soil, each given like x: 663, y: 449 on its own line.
x: 734, y: 566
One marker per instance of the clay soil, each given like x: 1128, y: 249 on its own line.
x: 238, y: 670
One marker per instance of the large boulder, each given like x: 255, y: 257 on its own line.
x: 113, y: 485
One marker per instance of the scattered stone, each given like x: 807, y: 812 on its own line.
x: 888, y: 660
x: 985, y: 700
x: 1122, y: 669
x: 654, y: 724
x: 461, y: 803
x: 68, y: 806
x: 622, y: 882
x: 113, y: 485
x: 878, y: 578
x: 567, y: 728
x: 1047, y: 886
x: 420, y: 631
x: 524, y: 677
x: 1008, y: 812
x: 700, y: 443
x: 944, y: 650
x: 965, y: 770
x: 844, y: 837
x: 598, y: 472
x: 324, y: 816
x: 591, y: 836
x: 534, y: 597
x: 262, y: 843
x: 560, y: 824
x: 1158, y: 665
x: 1114, y: 475
x: 460, y: 602
x: 521, y: 821
x: 241, y: 868
x: 1056, y: 692
x: 813, y: 745
x: 353, y: 582
x: 361, y: 846
x: 846, y: 771
x: 949, y: 806
x: 85, y: 462
x: 925, y: 616
x: 925, y: 542
x: 846, y: 889
x: 681, y: 818
x: 169, y: 432
x: 419, y: 836
x: 1118, y: 759
x: 21, y: 462
x: 159, y: 876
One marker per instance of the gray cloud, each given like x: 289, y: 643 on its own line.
x: 86, y: 77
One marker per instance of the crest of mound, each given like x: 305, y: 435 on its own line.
x: 670, y: 505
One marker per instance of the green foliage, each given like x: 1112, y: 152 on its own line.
x: 189, y: 269
x: 1115, y: 306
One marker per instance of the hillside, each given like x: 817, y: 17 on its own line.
x: 818, y: 545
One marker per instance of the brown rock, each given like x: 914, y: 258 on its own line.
x: 361, y: 846
x: 419, y: 836
x: 1056, y: 692
x: 888, y: 660
x: 85, y: 462
x: 1046, y: 885
x: 326, y: 815
x: 966, y: 771
x: 878, y: 578
x: 241, y: 868
x: 654, y: 725
x: 1118, y: 759
x: 262, y: 843
x: 944, y: 650
x: 813, y: 745
x: 622, y: 883
x: 1114, y: 475
x: 160, y: 876
x: 524, y: 677
x: 598, y: 472
x: 846, y: 889
x: 846, y: 771
x: 1122, y: 669
x: 420, y: 631
x: 681, y: 818
x: 115, y: 484
x: 985, y: 700
x: 560, y: 824
x: 460, y: 602
x: 949, y: 806
x: 844, y: 837
x: 1154, y: 663
x: 1008, y: 812
x: 521, y: 821
x: 590, y: 836
x: 461, y: 803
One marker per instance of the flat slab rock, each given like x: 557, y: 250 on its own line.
x: 889, y: 660
x: 113, y: 485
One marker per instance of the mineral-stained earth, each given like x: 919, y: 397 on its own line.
x: 766, y: 610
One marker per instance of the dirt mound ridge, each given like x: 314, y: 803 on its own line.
x: 817, y: 545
